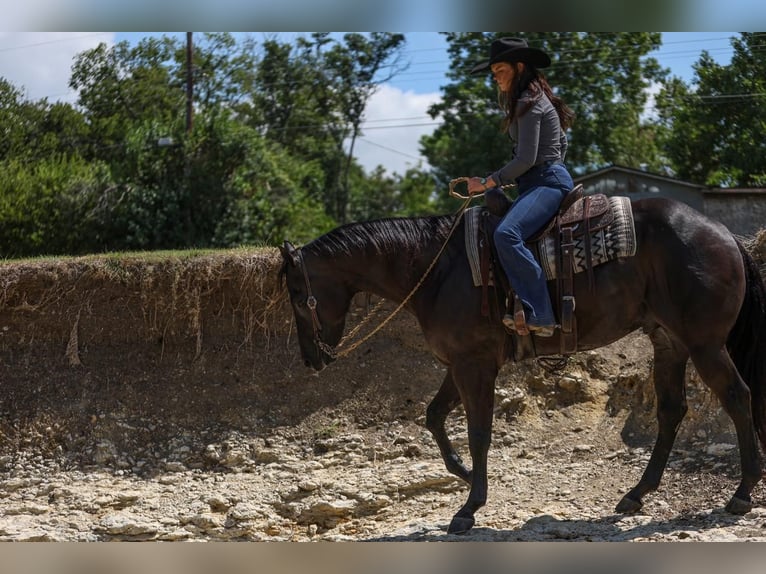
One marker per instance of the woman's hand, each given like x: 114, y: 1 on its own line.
x: 479, y: 185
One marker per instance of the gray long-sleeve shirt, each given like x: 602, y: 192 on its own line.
x: 538, y: 138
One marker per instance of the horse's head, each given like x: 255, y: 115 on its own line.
x: 320, y: 303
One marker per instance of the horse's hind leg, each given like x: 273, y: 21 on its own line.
x: 669, y: 385
x: 445, y: 401
x: 717, y: 371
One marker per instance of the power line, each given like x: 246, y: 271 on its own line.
x: 401, y: 126
x: 392, y: 150
x: 398, y: 119
x: 54, y: 41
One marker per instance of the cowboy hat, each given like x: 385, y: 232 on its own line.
x: 513, y: 50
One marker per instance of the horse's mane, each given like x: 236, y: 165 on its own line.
x: 390, y: 235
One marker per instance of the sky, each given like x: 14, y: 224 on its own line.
x: 39, y: 63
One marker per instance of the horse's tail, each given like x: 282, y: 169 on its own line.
x: 747, y: 342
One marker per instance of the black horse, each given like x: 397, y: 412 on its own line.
x: 691, y: 287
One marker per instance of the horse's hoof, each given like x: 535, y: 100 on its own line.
x: 739, y: 506
x: 461, y: 524
x: 628, y: 505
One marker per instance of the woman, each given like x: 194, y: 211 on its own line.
x: 536, y: 120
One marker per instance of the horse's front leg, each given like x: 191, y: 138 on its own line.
x: 475, y: 382
x: 445, y: 401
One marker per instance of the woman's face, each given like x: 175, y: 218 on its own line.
x: 503, y: 74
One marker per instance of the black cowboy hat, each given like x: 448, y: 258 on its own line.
x: 513, y: 50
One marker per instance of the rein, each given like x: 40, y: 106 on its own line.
x: 311, y: 301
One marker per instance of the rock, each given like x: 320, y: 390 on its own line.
x: 569, y: 384
x: 14, y: 484
x: 266, y: 456
x: 242, y: 512
x: 307, y: 486
x: 204, y: 521
x: 415, y: 481
x: 510, y: 402
x: 719, y: 449
x: 125, y: 499
x: 121, y: 524
x: 28, y: 508
x: 212, y: 454
x: 104, y: 453
x: 218, y: 503
x: 327, y: 513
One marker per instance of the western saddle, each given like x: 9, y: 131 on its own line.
x: 579, y: 215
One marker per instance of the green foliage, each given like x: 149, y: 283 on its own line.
x: 120, y: 87
x: 270, y: 152
x: 311, y: 97
x: 47, y: 207
x: 379, y: 195
x: 37, y: 130
x: 717, y: 132
x: 267, y: 200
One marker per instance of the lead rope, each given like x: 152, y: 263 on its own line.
x: 335, y: 352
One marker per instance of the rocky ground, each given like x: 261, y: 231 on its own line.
x: 565, y: 449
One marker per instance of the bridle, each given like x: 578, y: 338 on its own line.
x: 311, y: 303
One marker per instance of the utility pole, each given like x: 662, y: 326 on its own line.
x: 189, y: 83
x: 187, y: 204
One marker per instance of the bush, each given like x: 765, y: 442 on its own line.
x: 47, y: 206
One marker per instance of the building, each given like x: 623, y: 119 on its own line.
x: 743, y: 211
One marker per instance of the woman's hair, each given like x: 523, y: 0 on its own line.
x: 534, y: 81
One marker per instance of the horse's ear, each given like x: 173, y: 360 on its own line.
x: 289, y: 253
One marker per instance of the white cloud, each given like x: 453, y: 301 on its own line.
x: 394, y: 123
x: 40, y: 63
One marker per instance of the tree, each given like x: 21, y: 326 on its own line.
x: 38, y: 130
x: 603, y: 77
x: 48, y: 206
x: 266, y: 157
x: 380, y: 195
x: 311, y: 97
x: 175, y: 195
x: 121, y: 87
x: 13, y: 120
x: 358, y: 68
x: 717, y: 127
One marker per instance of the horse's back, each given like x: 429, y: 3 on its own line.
x: 668, y: 216
x: 693, y: 266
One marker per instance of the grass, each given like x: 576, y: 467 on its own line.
x: 144, y: 256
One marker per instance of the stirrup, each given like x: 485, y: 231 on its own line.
x: 511, y: 324
x: 542, y: 330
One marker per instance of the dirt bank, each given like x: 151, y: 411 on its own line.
x: 162, y: 398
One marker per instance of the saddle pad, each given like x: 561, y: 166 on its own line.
x: 618, y: 239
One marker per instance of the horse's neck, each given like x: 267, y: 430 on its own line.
x: 386, y: 275
x: 392, y: 257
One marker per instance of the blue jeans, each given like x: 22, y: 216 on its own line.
x: 541, y: 190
